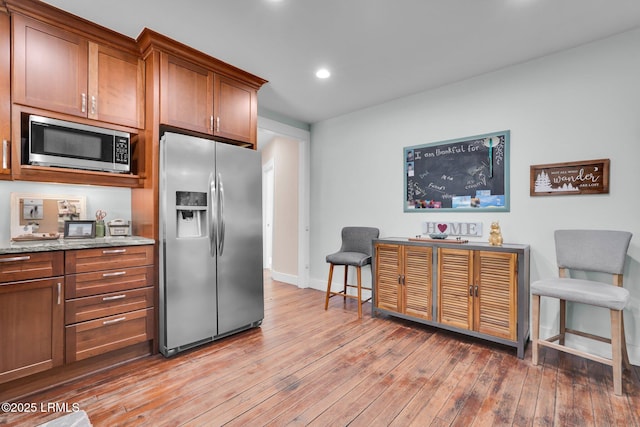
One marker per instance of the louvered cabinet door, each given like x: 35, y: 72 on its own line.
x: 418, y: 284
x: 455, y: 276
x: 388, y: 277
x: 496, y: 301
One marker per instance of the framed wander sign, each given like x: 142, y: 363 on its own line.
x: 465, y: 174
x: 570, y: 178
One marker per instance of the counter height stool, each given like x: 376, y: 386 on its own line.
x: 355, y: 251
x: 587, y: 250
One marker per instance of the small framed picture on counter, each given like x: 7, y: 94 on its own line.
x: 84, y: 229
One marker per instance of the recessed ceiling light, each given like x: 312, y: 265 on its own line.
x: 323, y: 73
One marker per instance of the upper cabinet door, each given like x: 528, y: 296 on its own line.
x: 235, y: 110
x: 49, y: 67
x: 116, y: 87
x: 5, y: 97
x: 186, y: 95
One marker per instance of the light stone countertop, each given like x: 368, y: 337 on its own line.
x: 8, y: 247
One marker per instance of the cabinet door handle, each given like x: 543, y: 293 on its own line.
x: 117, y: 273
x: 109, y: 322
x: 211, y: 123
x: 59, y: 293
x: 84, y: 102
x: 94, y: 104
x: 5, y: 154
x: 121, y: 296
x: 470, y: 290
x: 16, y: 258
x: 476, y: 290
x: 114, y: 251
x: 218, y: 124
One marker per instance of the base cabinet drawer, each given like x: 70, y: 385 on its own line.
x: 34, y: 265
x: 86, y: 260
x: 97, y: 306
x: 88, y: 339
x: 99, y: 282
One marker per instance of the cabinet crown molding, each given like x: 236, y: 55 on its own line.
x: 149, y: 41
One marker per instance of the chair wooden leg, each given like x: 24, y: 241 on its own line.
x: 623, y: 339
x: 359, y: 271
x: 563, y: 321
x: 326, y: 301
x: 616, y: 350
x: 535, y: 332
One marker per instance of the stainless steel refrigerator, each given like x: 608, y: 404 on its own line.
x: 210, y: 241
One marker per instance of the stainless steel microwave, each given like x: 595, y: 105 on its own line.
x: 59, y: 143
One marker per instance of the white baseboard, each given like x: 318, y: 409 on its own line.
x: 284, y: 277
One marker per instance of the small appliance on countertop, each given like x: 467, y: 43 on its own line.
x: 119, y: 227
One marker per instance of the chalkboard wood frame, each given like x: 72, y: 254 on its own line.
x: 468, y: 174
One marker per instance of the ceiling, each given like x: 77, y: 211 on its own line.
x: 376, y: 50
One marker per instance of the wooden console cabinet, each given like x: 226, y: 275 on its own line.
x: 480, y: 290
x: 31, y: 313
x: 403, y: 279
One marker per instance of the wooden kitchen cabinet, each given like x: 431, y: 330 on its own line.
x: 470, y: 288
x: 5, y: 95
x: 116, y: 87
x: 477, y: 290
x: 235, y: 110
x: 197, y: 99
x: 62, y: 71
x: 31, y: 313
x: 110, y: 300
x: 197, y: 92
x: 404, y: 279
x: 186, y: 99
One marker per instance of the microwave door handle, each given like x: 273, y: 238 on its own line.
x: 213, y: 217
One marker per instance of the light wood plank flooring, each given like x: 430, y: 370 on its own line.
x: 307, y: 366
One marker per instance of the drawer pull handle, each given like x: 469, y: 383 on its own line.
x: 109, y: 322
x: 16, y: 258
x: 114, y: 297
x: 114, y: 251
x: 59, y: 292
x: 117, y: 273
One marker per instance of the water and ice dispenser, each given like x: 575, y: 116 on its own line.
x: 191, y: 214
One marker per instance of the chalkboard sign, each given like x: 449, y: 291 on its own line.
x: 465, y: 174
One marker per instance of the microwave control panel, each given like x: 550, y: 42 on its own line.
x: 121, y: 150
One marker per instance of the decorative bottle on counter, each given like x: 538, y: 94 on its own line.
x: 100, y: 228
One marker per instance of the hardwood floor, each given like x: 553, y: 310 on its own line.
x: 307, y: 366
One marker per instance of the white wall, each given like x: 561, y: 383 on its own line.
x: 579, y: 104
x: 284, y: 154
x: 114, y: 200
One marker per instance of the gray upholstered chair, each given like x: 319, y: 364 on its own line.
x: 587, y: 250
x: 355, y: 251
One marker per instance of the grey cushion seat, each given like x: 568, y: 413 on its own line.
x: 349, y: 258
x: 583, y: 291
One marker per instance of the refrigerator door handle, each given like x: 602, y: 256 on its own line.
x: 221, y: 220
x: 213, y: 220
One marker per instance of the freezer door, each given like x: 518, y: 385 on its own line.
x: 188, y: 311
x: 240, y: 283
